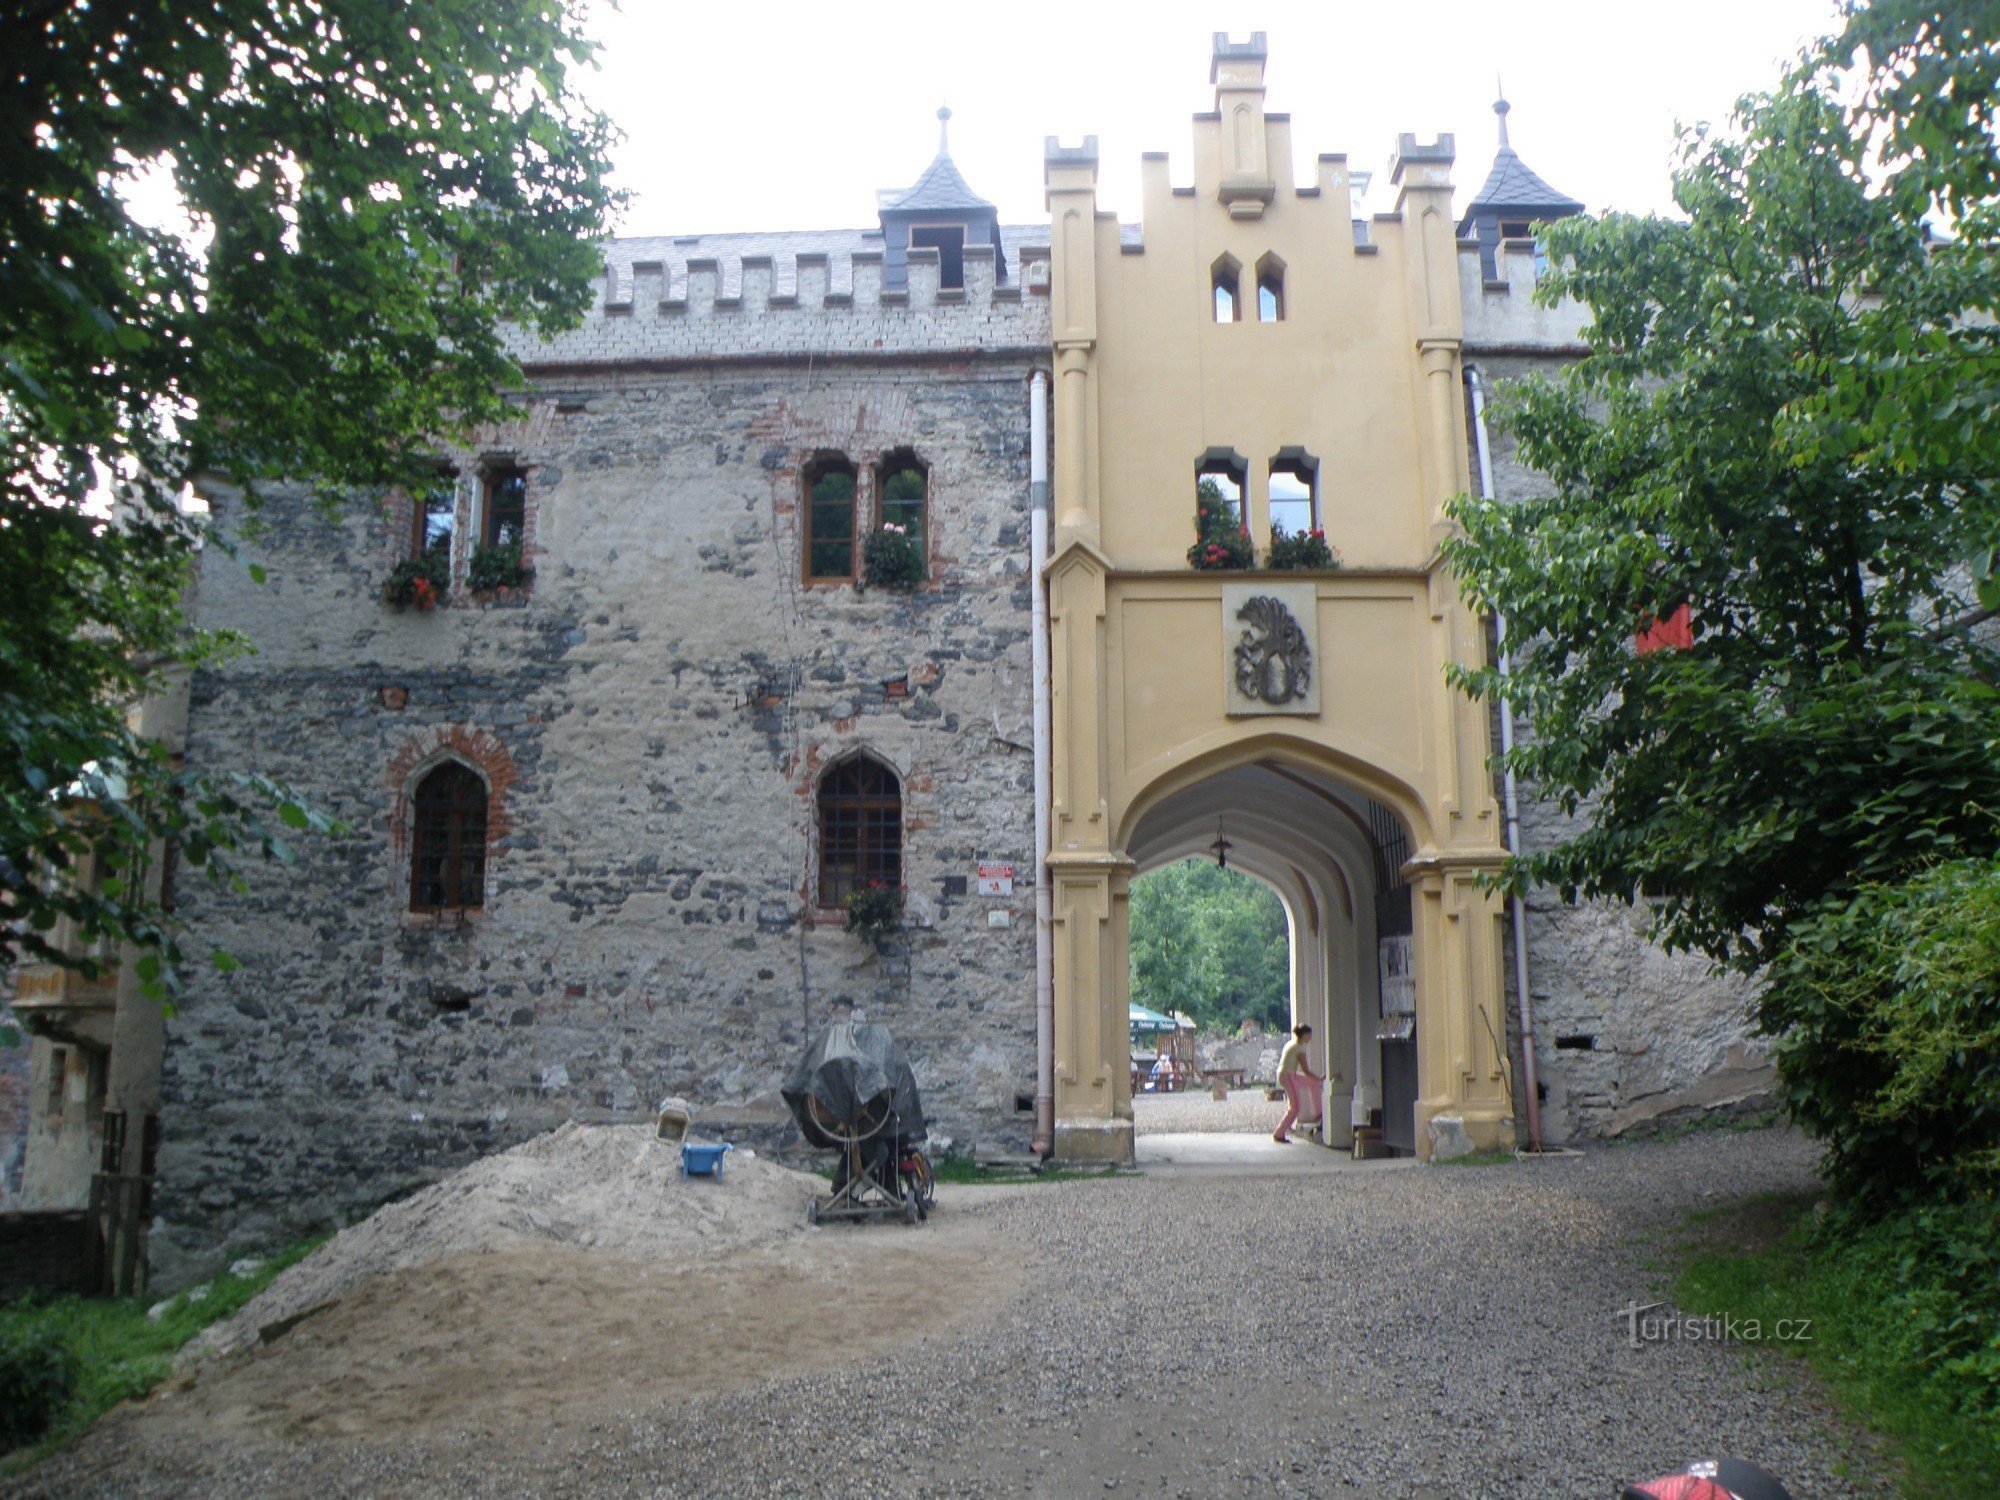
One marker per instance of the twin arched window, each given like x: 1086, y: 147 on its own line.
x: 448, y: 839
x: 860, y: 829
x: 1225, y: 279
x: 833, y: 510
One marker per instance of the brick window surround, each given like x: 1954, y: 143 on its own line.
x: 481, y: 756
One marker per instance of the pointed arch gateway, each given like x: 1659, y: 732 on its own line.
x: 1334, y: 854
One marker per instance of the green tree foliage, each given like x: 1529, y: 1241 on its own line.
x: 1211, y: 943
x: 373, y: 188
x: 1835, y: 719
x: 1886, y: 1014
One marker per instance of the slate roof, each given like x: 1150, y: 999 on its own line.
x: 1513, y: 187
x: 940, y: 190
x: 1514, y: 184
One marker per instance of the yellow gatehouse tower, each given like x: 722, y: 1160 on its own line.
x: 1253, y: 370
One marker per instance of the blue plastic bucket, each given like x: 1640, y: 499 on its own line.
x: 703, y: 1160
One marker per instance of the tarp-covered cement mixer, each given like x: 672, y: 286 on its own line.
x: 852, y: 1093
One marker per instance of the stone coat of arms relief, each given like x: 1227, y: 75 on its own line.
x: 1269, y: 631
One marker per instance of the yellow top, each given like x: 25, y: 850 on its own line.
x: 1293, y: 1058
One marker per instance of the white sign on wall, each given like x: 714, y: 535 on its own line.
x: 996, y: 880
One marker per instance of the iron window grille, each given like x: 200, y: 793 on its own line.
x: 448, y: 841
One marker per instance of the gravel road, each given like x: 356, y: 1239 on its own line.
x: 1403, y: 1333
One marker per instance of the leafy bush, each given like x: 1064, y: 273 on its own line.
x: 38, y: 1376
x: 117, y: 1351
x: 1885, y: 1011
x: 1304, y: 551
x: 1220, y: 540
x: 892, y: 558
x: 418, y: 582
x: 874, y: 911
x: 496, y: 568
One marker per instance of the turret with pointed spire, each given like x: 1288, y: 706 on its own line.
x: 939, y: 210
x: 1512, y: 198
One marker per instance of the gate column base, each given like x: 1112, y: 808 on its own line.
x: 1094, y: 1142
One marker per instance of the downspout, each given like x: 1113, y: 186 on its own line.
x: 1530, y: 1079
x: 1038, y: 559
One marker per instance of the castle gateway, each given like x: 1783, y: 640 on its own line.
x: 896, y: 556
x: 1258, y: 351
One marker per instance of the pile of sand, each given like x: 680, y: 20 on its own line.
x: 616, y: 1189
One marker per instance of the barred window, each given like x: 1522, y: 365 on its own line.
x: 448, y: 840
x: 860, y: 829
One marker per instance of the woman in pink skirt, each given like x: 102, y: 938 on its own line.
x: 1297, y: 1080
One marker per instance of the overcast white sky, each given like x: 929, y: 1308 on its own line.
x: 783, y: 115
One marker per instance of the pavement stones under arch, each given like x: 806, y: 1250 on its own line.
x: 1421, y: 1332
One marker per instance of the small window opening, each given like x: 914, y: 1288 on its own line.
x: 58, y: 1076
x: 435, y: 514
x: 860, y: 829
x: 1220, y: 483
x: 506, y: 508
x: 1294, y: 501
x: 949, y: 242
x: 830, y: 521
x: 905, y: 496
x: 448, y: 840
x: 1225, y: 279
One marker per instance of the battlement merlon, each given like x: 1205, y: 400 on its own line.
x: 743, y: 305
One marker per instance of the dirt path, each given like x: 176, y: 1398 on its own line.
x: 1415, y: 1333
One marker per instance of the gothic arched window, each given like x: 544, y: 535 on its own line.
x: 860, y: 829
x: 448, y: 839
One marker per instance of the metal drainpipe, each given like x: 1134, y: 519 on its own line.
x: 1530, y: 1079
x: 1038, y: 557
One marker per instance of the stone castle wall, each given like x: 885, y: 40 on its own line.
x: 13, y: 1115
x: 1627, y: 1035
x: 654, y: 717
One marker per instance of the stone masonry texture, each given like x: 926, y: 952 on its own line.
x: 652, y: 718
x: 1628, y: 1036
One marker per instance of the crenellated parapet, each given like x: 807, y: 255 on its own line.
x: 830, y: 294
x: 1501, y: 311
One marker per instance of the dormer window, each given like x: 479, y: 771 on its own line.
x: 949, y: 242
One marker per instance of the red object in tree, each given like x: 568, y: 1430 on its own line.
x: 1676, y: 630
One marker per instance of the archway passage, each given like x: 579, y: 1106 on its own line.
x: 1211, y: 974
x: 1333, y: 857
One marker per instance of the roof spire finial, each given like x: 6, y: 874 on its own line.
x: 944, y: 130
x: 1500, y: 108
